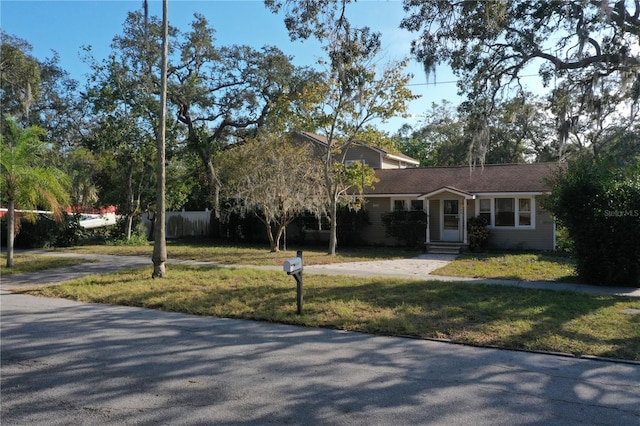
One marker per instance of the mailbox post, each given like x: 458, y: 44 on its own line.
x: 294, y: 267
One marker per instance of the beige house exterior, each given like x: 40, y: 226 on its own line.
x: 508, y: 195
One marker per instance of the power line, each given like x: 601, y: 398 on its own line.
x: 436, y: 83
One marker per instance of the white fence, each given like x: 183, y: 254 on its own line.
x: 184, y: 224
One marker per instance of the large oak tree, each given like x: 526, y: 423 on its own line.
x: 586, y: 48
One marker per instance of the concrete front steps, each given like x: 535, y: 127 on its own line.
x: 440, y: 247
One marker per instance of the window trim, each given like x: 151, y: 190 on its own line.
x: 516, y: 200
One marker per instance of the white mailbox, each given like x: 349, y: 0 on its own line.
x: 292, y: 265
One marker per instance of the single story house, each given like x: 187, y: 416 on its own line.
x: 507, y: 195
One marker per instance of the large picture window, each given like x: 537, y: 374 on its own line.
x: 507, y: 212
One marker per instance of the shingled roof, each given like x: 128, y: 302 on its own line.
x: 490, y: 178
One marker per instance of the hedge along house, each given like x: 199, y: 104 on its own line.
x: 507, y: 195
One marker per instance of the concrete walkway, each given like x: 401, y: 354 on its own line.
x: 419, y: 268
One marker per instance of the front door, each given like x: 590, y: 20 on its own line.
x: 450, y: 220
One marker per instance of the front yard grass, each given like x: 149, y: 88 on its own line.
x: 501, y: 316
x: 23, y: 263
x: 245, y: 254
x: 512, y: 266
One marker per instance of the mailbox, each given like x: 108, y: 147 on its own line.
x: 292, y: 265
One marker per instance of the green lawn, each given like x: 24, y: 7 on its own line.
x: 32, y: 263
x: 512, y: 266
x: 238, y: 254
x: 500, y: 316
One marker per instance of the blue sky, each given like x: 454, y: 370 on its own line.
x: 65, y: 26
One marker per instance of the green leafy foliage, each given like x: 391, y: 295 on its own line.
x: 409, y: 227
x: 478, y: 233
x: 564, y: 243
x: 44, y: 232
x: 492, y: 45
x: 20, y: 75
x: 352, y: 224
x: 600, y: 207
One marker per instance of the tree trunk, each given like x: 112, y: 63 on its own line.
x: 333, y: 233
x: 11, y: 231
x: 273, y: 242
x: 213, y: 182
x: 159, y: 257
x: 129, y: 200
x: 278, y: 237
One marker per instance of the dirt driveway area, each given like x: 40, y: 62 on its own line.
x: 417, y: 267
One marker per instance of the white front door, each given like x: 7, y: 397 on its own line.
x: 450, y: 220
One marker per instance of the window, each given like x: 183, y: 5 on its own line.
x: 485, y: 209
x: 508, y: 212
x: 406, y: 204
x: 505, y: 212
x: 524, y: 211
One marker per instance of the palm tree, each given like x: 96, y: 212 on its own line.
x: 25, y: 182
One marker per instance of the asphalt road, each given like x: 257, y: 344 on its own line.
x: 68, y: 363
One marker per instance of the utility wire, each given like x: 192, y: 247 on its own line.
x: 435, y: 83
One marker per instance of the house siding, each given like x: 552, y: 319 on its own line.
x: 376, y: 233
x: 540, y: 238
x: 360, y: 153
x: 388, y: 163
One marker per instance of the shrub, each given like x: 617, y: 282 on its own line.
x: 409, y: 227
x: 45, y: 232
x: 351, y: 225
x: 600, y: 207
x: 478, y: 233
x: 116, y: 234
x: 564, y: 243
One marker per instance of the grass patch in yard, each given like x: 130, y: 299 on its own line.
x: 500, y: 316
x: 229, y: 254
x: 512, y: 266
x: 33, y: 263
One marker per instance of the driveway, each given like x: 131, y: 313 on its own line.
x: 419, y: 267
x: 69, y: 363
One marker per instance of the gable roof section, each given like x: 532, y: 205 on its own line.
x: 448, y: 189
x: 494, y: 178
x: 322, y: 140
